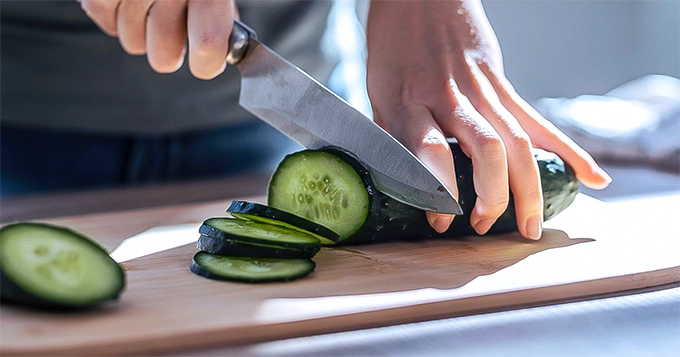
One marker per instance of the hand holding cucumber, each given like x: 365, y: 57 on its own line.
x: 435, y: 71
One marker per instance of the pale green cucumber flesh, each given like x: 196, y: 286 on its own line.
x: 323, y: 188
x: 56, y: 266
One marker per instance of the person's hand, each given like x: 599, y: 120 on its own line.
x: 435, y: 71
x: 160, y: 28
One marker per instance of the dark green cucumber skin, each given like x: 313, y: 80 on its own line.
x: 197, y: 269
x: 13, y: 293
x: 392, y: 220
x: 209, y: 231
x: 286, y: 217
x: 234, y: 248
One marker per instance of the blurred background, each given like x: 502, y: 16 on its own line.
x: 606, y: 73
x: 565, y: 48
x: 570, y: 48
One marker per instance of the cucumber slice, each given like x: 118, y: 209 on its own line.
x: 320, y: 186
x: 259, y: 233
x: 265, y: 214
x: 49, y: 266
x: 235, y: 248
x: 250, y: 270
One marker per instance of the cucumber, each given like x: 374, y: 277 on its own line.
x: 250, y: 270
x: 236, y: 248
x: 265, y: 214
x: 250, y: 251
x: 558, y: 182
x: 321, y: 187
x: 388, y: 219
x: 54, y: 267
x: 259, y: 233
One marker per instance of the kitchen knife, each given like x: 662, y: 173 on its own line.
x: 291, y: 101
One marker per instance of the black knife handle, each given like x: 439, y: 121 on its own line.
x: 238, y: 42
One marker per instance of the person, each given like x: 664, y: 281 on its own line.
x: 434, y: 70
x: 78, y: 112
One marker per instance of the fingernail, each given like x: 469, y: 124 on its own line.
x: 483, y: 226
x: 442, y: 223
x: 604, y: 175
x: 534, y: 227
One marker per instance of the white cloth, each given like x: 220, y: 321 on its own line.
x: 637, y: 122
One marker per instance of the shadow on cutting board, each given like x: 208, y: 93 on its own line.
x: 386, y: 267
x: 347, y: 279
x: 435, y: 263
x: 391, y: 275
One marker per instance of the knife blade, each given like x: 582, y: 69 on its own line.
x: 290, y: 100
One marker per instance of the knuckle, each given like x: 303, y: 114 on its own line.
x: 494, y: 203
x: 461, y: 112
x: 532, y: 195
x: 536, y: 196
x: 492, y: 147
x: 433, y: 140
x: 499, y: 203
x: 519, y: 143
x: 493, y: 209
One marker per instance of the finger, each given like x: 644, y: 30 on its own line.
x: 209, y: 24
x: 523, y: 175
x: 166, y: 33
x: 546, y: 135
x: 415, y: 127
x: 479, y: 141
x: 131, y: 21
x: 103, y: 13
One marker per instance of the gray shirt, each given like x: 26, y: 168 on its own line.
x: 59, y: 71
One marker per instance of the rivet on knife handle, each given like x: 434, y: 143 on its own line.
x: 238, y: 42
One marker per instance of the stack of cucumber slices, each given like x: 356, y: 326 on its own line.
x: 259, y: 244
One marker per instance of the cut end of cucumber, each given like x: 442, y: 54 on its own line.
x: 51, y: 266
x: 323, y: 188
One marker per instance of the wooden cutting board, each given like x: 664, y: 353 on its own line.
x: 592, y: 249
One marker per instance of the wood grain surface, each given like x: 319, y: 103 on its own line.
x: 590, y: 250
